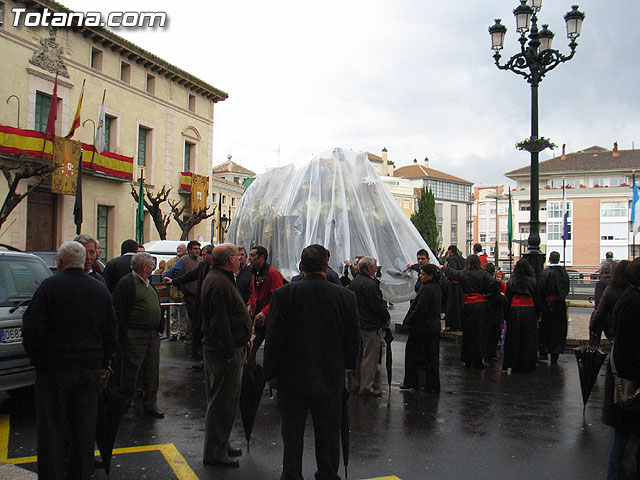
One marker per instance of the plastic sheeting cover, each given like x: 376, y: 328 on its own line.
x: 339, y: 201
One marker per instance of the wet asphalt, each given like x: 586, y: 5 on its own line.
x: 483, y: 425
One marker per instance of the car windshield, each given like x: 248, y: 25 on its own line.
x: 19, y: 278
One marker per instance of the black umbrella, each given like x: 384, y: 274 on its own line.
x: 388, y: 338
x: 590, y: 359
x: 252, y: 387
x: 110, y: 409
x: 344, y: 430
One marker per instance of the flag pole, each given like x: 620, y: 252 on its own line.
x: 564, y: 235
x: 93, y: 154
x: 510, y: 224
x: 633, y: 225
x: 53, y: 103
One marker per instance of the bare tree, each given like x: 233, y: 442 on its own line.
x: 14, y: 172
x: 153, y: 205
x: 186, y: 224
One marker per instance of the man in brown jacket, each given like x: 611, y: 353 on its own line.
x: 226, y: 329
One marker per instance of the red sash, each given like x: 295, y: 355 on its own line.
x: 453, y: 281
x: 474, y: 298
x: 553, y: 297
x: 521, y: 301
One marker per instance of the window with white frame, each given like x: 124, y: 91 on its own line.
x: 609, y: 209
x: 483, y: 237
x: 554, y: 231
x: 555, y: 210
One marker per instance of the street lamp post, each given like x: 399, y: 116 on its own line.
x: 535, y: 59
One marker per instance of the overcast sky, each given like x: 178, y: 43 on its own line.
x: 414, y: 76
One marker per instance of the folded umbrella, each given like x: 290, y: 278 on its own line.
x: 388, y: 338
x: 110, y: 409
x: 344, y: 430
x: 589, y: 359
x: 253, y: 383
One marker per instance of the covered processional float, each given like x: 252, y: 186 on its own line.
x: 337, y: 200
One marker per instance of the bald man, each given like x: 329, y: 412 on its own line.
x: 226, y: 330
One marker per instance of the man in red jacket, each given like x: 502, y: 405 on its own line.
x: 264, y: 280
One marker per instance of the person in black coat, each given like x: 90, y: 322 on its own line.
x: 477, y: 286
x: 197, y: 274
x: 423, y: 322
x: 243, y: 278
x: 118, y: 267
x: 312, y: 338
x: 602, y: 321
x: 70, y: 335
x: 521, y: 331
x: 455, y: 295
x: 626, y: 356
x: 553, y: 288
x: 373, y: 315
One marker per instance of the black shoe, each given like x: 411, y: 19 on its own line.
x: 543, y: 356
x: 407, y: 387
x: 234, y: 451
x: 226, y: 462
x: 154, y: 412
x: 198, y: 366
x: 554, y: 358
x: 370, y: 393
x: 173, y: 338
x: 432, y: 390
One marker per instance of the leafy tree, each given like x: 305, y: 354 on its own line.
x: 425, y: 219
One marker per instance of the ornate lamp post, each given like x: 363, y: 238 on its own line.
x: 535, y: 59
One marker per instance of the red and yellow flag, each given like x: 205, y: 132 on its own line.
x: 76, y: 118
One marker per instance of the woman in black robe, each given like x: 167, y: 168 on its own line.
x: 521, y: 331
x: 626, y: 354
x: 423, y: 322
x: 477, y: 286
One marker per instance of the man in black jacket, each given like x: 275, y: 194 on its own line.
x: 137, y: 308
x: 118, y: 267
x: 312, y: 337
x: 70, y: 335
x: 197, y: 274
x: 373, y: 315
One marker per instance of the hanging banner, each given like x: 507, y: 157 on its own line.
x: 198, y: 192
x: 66, y: 154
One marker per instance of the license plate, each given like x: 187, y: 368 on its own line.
x: 10, y: 335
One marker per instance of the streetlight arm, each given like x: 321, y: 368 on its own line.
x: 534, y: 65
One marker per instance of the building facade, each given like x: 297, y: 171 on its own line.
x: 598, y: 189
x: 491, y: 221
x: 454, y: 205
x: 400, y: 188
x: 158, y: 124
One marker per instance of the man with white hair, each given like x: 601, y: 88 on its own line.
x: 91, y: 246
x: 139, y: 327
x: 69, y: 333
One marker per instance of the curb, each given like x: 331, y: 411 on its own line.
x: 12, y: 472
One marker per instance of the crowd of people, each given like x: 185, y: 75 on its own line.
x: 93, y: 327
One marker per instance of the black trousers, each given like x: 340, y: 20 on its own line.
x: 66, y: 409
x: 428, y: 344
x: 195, y: 326
x: 325, y: 413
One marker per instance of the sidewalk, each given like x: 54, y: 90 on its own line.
x: 11, y: 472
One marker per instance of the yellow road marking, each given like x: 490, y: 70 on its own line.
x: 169, y: 451
x: 171, y: 454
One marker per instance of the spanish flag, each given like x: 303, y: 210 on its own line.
x: 76, y: 118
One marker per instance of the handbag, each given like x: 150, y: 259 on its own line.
x: 626, y: 393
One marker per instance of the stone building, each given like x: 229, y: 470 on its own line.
x: 158, y: 123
